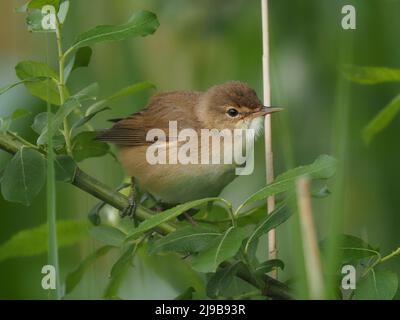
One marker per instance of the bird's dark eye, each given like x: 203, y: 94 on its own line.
x: 232, y: 112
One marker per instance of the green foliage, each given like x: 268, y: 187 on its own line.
x: 377, y: 285
x: 323, y: 168
x: 79, y: 60
x: 65, y: 168
x: 126, y: 91
x: 126, y: 258
x: 381, y: 120
x: 108, y: 235
x: 277, y: 217
x: 371, y: 75
x: 222, y: 279
x: 85, y: 145
x: 24, y: 176
x: 188, y: 239
x: 33, y: 241
x: 142, y: 23
x: 187, y: 295
x: 221, y: 249
x: 47, y: 89
x: 73, y: 278
x: 166, y: 216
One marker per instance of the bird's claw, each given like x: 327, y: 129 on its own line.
x: 130, y: 210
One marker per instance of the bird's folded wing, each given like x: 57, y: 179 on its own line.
x: 162, y: 109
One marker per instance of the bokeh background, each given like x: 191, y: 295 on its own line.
x: 199, y: 44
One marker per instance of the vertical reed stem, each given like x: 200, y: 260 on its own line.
x: 311, y: 254
x: 272, y: 249
x: 51, y: 200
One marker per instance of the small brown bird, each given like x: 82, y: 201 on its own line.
x: 232, y: 105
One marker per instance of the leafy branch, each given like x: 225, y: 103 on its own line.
x: 89, y: 184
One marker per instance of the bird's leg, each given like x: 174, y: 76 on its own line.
x: 131, y: 208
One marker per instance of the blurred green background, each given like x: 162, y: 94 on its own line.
x: 199, y: 44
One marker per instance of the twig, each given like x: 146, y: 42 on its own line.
x: 309, y: 237
x: 272, y: 248
x: 85, y: 182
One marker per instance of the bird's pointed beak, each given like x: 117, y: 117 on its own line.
x: 264, y: 111
x: 267, y: 110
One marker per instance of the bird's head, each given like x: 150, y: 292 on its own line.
x: 232, y: 105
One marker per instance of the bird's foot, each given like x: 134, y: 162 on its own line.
x: 130, y: 210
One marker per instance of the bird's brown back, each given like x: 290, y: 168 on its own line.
x: 161, y: 109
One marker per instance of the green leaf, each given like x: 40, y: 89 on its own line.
x: 187, y: 295
x: 34, y: 79
x: 38, y: 4
x: 269, y: 265
x: 278, y: 216
x: 65, y: 168
x: 39, y: 122
x: 24, y: 176
x: 381, y: 120
x: 46, y: 90
x: 131, y: 89
x: 166, y: 216
x: 377, y: 285
x: 189, y: 239
x: 58, y: 119
x: 85, y: 145
x: 353, y: 248
x: 87, y: 118
x: 74, y: 277
x: 123, y: 261
x: 19, y: 113
x: 80, y: 59
x: 142, y: 23
x: 371, y: 75
x: 222, y: 279
x: 33, y: 241
x: 222, y: 249
x: 323, y: 167
x: 109, y: 235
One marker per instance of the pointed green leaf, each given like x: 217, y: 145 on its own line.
x: 377, y: 285
x: 371, y: 75
x: 85, y: 145
x: 131, y: 89
x: 80, y: 59
x: 277, y: 217
x: 46, y: 90
x: 187, y: 295
x: 39, y: 122
x: 34, y: 79
x: 269, y: 265
x: 33, y: 241
x: 87, y: 118
x: 381, y: 120
x: 24, y: 176
x: 222, y: 279
x: 222, y: 249
x: 189, y: 239
x: 109, y: 235
x: 76, y: 276
x: 142, y: 23
x: 58, y: 119
x: 19, y: 113
x: 352, y: 248
x: 166, y: 216
x: 123, y: 261
x: 65, y: 168
x: 323, y: 167
x: 38, y: 4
